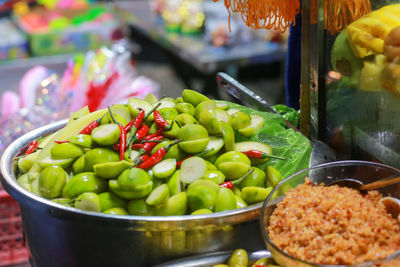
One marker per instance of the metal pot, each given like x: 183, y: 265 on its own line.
x: 62, y: 236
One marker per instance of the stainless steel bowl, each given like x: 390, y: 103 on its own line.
x: 62, y: 236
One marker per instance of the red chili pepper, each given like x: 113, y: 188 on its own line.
x: 136, y: 122
x: 32, y: 147
x: 152, y: 110
x: 134, y: 146
x: 141, y: 133
x: 257, y: 154
x: 122, y: 142
x: 140, y: 160
x: 136, y: 126
x: 179, y: 163
x: 157, y: 157
x: 148, y: 146
x: 158, y: 133
x: 116, y: 147
x: 228, y: 185
x: 60, y: 142
x: 137, y: 146
x: 143, y: 158
x: 160, y: 121
x: 122, y: 137
x: 89, y: 128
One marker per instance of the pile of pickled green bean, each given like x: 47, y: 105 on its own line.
x: 154, y: 157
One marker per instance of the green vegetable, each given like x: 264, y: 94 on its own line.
x: 253, y: 194
x: 239, y: 120
x: 109, y: 200
x: 116, y: 211
x: 84, y: 182
x: 195, y: 138
x: 111, y: 170
x: 26, y: 163
x: 139, y: 207
x: 210, y: 145
x: 88, y: 201
x: 133, y: 183
x: 226, y: 200
x: 201, y: 197
x: 273, y: 175
x: 289, y: 114
x: 66, y: 151
x: 25, y: 181
x: 79, y: 165
x: 185, y: 108
x: 99, y: 155
x: 185, y: 118
x: 240, y: 203
x: 174, y: 183
x: 158, y: 196
x: 238, y: 258
x: 64, y: 201
x: 193, y: 97
x: 175, y: 205
x: 215, y: 176
x: 233, y: 164
x: 168, y: 113
x: 83, y: 140
x: 201, y: 211
x: 51, y: 181
x: 255, y: 178
x: 164, y: 168
x: 106, y: 134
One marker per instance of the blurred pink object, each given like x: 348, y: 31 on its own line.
x: 127, y: 87
x: 29, y: 83
x: 9, y: 104
x: 104, y: 17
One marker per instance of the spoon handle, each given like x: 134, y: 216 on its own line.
x: 382, y: 183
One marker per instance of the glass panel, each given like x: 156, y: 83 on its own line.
x: 359, y: 78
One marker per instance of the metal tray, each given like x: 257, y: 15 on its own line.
x: 211, y: 259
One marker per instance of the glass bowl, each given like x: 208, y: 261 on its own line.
x: 363, y: 171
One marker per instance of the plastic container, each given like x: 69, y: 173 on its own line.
x: 12, y: 249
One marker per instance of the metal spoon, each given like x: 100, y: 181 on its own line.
x: 352, y: 183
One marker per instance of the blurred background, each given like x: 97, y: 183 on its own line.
x: 59, y: 55
x: 177, y: 43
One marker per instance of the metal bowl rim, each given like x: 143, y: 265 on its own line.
x: 267, y: 241
x: 20, y: 194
